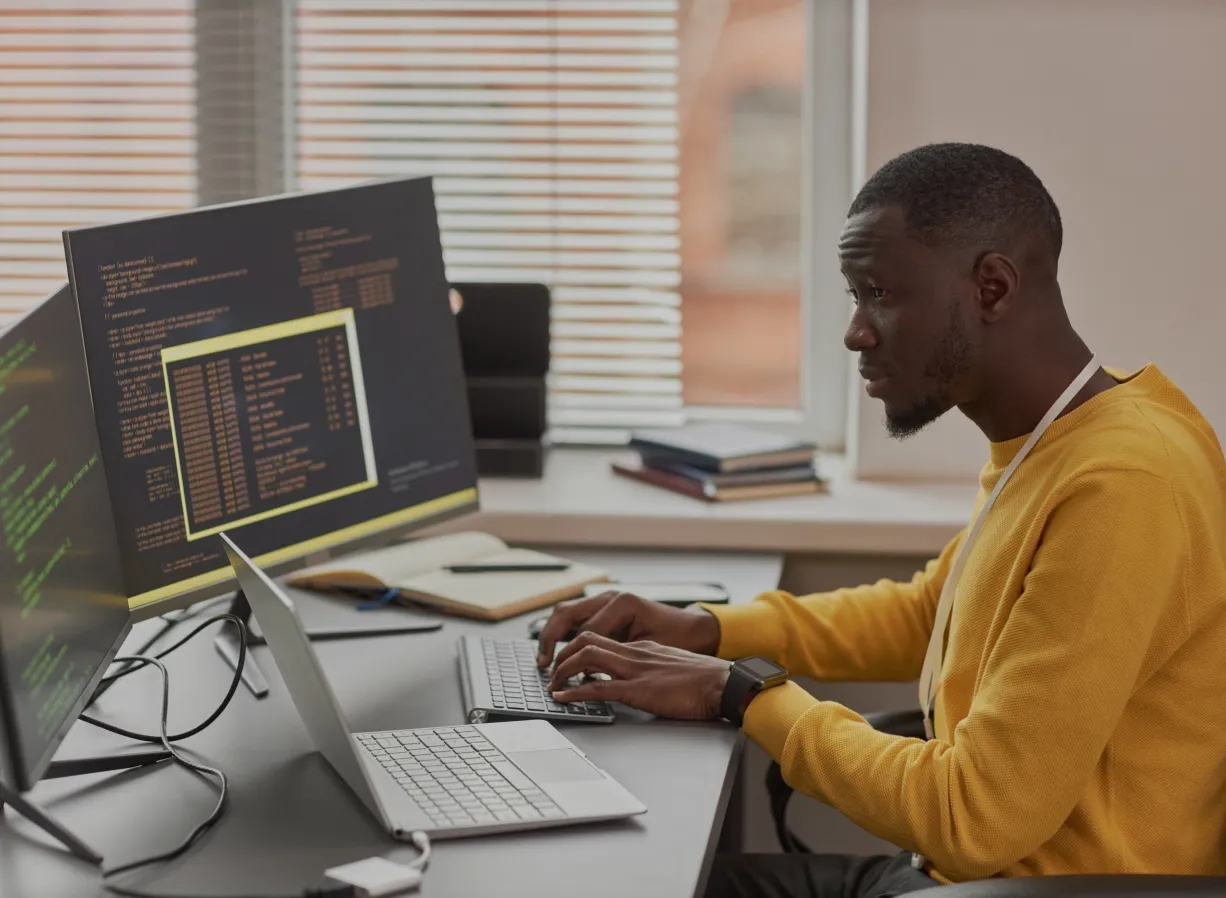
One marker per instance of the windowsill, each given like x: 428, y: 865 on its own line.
x: 580, y: 502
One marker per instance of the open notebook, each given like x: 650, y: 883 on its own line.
x: 417, y: 570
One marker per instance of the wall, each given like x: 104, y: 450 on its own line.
x: 1117, y: 105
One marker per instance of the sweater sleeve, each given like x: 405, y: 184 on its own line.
x: 878, y: 632
x: 1020, y: 760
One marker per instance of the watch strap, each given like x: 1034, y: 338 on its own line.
x: 738, y: 691
x: 744, y: 683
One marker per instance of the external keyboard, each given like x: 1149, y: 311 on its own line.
x: 513, y: 685
x: 458, y: 778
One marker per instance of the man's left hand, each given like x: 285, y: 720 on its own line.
x: 655, y: 678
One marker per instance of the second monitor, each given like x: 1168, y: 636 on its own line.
x: 286, y: 368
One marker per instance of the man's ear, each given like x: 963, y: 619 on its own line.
x: 997, y: 279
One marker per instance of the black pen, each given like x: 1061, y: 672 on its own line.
x: 505, y: 568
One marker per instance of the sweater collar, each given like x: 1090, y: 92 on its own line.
x: 1129, y: 385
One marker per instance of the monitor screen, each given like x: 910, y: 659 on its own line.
x: 287, y: 370
x: 63, y: 610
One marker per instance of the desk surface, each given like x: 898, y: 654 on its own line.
x: 581, y: 502
x: 290, y: 817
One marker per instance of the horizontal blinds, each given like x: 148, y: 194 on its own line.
x: 550, y: 127
x: 96, y: 125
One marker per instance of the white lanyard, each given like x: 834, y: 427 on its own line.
x: 930, y: 677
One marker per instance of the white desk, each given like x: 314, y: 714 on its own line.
x: 290, y: 817
x: 580, y: 502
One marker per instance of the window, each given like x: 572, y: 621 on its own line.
x: 662, y: 164
x: 551, y: 128
x: 741, y: 98
x: 97, y: 124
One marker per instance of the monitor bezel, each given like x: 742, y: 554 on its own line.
x: 394, y: 534
x: 15, y: 769
x: 19, y: 772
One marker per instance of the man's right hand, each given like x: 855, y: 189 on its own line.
x: 627, y: 618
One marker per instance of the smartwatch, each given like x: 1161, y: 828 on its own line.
x: 746, y: 678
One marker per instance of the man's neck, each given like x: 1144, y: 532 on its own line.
x: 1018, y: 397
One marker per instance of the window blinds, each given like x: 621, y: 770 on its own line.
x: 550, y: 127
x: 96, y: 125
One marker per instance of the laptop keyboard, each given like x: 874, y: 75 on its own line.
x: 458, y: 778
x: 517, y: 684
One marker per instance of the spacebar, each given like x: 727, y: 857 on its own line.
x: 514, y: 775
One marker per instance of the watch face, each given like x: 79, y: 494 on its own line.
x: 761, y: 668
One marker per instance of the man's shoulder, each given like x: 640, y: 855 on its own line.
x: 1152, y: 427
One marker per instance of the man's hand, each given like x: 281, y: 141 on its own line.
x: 661, y: 680
x: 626, y: 618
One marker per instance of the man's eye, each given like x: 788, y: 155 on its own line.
x: 874, y: 292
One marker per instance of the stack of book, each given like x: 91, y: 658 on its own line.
x: 723, y: 462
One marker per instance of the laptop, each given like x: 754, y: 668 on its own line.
x: 445, y: 781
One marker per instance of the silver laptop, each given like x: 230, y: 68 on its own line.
x: 446, y: 781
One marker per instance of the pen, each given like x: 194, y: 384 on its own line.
x: 503, y: 568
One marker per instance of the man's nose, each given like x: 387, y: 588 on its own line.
x: 859, y: 335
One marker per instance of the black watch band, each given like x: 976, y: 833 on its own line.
x: 746, y: 678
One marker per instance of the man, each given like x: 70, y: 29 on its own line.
x: 1079, y: 723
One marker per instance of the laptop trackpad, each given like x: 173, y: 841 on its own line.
x: 560, y: 765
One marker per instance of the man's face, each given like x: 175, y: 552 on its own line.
x: 908, y: 324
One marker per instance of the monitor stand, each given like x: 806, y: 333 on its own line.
x: 74, y: 767
x: 227, y: 645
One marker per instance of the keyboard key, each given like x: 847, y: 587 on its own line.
x: 505, y: 816
x: 483, y: 817
x: 529, y: 813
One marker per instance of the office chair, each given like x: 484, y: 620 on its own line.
x: 911, y: 723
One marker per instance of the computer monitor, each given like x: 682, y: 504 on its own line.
x: 286, y: 369
x: 63, y: 609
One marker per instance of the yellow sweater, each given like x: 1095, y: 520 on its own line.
x: 1081, y: 721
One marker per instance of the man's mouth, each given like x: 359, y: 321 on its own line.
x: 876, y: 377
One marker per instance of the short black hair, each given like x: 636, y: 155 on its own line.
x: 964, y: 194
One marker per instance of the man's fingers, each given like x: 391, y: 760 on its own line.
x: 596, y: 654
x: 593, y: 691
x: 610, y: 620
x: 565, y: 616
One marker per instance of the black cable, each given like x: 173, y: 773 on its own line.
x: 168, y: 623
x: 329, y: 889
x: 225, y: 702
x: 135, y: 662
x: 201, y: 769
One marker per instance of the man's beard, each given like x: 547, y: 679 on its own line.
x: 952, y: 358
